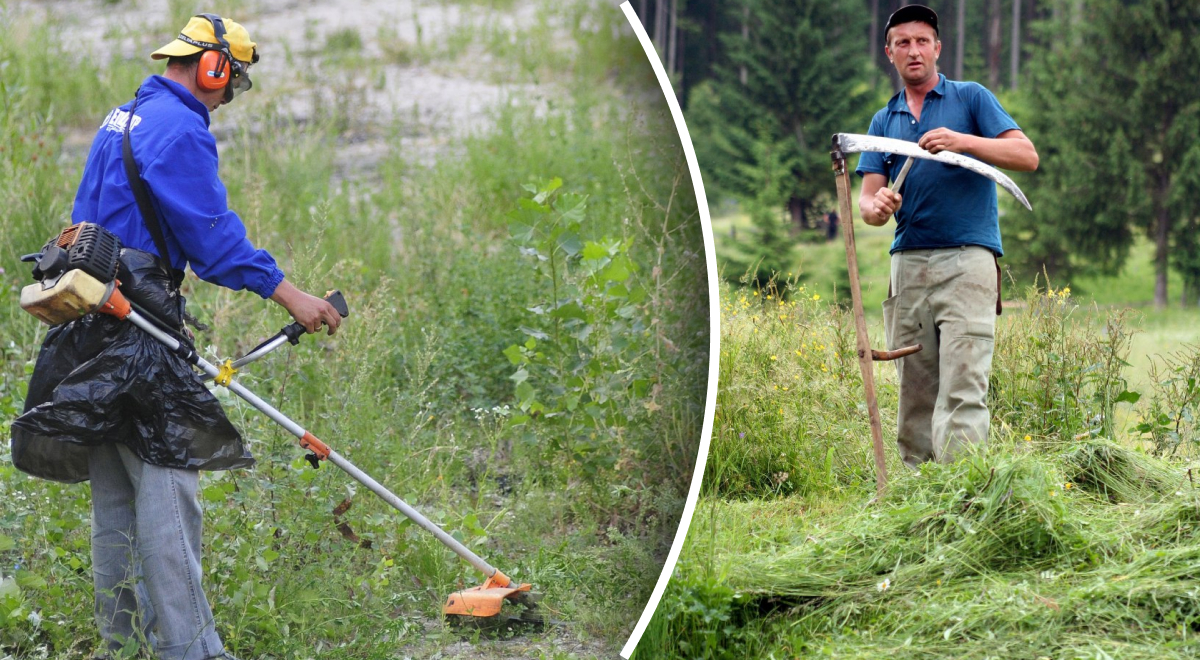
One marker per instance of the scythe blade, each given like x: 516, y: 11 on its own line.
x: 853, y: 143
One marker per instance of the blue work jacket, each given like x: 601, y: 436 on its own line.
x: 177, y: 157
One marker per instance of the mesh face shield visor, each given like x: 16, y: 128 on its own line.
x: 239, y: 74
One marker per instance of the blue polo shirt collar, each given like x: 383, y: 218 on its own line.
x: 900, y: 104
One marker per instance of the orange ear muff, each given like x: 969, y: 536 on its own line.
x: 213, y: 72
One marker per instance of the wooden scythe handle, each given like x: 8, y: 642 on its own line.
x: 865, y: 359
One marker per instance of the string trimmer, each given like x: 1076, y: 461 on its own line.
x: 77, y: 276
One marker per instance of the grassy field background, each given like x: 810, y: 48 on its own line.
x: 821, y: 268
x: 498, y: 190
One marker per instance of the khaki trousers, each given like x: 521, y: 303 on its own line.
x: 945, y: 300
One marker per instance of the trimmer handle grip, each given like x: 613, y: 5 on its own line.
x: 338, y: 301
x: 294, y: 331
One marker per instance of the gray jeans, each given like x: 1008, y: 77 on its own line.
x: 944, y: 299
x: 146, y: 525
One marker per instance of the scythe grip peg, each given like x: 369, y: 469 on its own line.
x: 888, y: 356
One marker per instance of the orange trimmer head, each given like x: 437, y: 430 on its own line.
x: 497, y: 603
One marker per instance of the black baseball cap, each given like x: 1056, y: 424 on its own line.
x: 909, y: 14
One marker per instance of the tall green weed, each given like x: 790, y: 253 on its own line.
x: 788, y: 397
x: 1057, y: 374
x: 1172, y: 419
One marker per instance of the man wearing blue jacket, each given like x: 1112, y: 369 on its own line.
x: 108, y: 403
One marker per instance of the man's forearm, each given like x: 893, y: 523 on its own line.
x: 1010, y: 150
x: 1015, y: 153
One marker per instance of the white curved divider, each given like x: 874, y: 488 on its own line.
x: 714, y: 316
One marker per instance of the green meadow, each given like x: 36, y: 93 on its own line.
x: 1073, y: 534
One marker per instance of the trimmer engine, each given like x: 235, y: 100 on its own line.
x: 76, y: 271
x: 85, y: 246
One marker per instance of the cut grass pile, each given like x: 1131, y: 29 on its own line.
x: 1020, y: 553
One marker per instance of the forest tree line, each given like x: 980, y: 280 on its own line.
x: 1106, y: 89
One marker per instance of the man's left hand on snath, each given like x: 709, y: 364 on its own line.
x: 944, y: 139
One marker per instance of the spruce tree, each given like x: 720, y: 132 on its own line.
x: 798, y: 68
x: 768, y: 251
x: 1115, y: 114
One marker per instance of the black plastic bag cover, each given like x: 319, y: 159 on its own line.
x: 145, y: 281
x: 99, y: 380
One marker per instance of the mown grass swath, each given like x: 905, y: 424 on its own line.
x: 1074, y: 534
x: 571, y: 476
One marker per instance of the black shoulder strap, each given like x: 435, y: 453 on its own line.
x: 143, y: 198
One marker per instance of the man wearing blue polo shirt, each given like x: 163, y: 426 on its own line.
x: 945, y: 285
